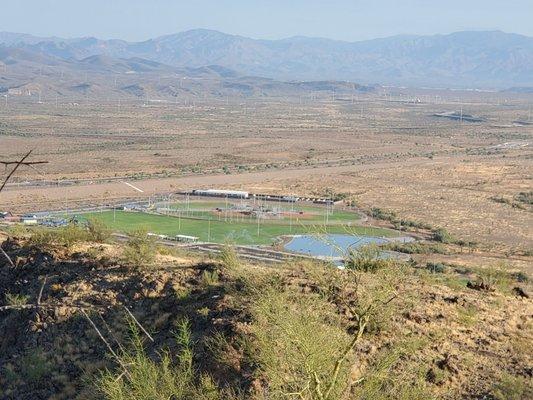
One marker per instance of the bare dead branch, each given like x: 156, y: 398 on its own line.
x: 139, y: 324
x: 41, y: 291
x: 117, y: 358
x: 18, y: 164
x: 48, y: 307
x: 7, y: 257
x: 111, y: 333
x: 25, y: 163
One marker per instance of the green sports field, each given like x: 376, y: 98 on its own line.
x: 313, y: 214
x: 239, y: 232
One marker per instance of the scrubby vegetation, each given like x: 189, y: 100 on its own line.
x: 170, y: 377
x: 525, y: 197
x: 140, y: 250
x: 399, y: 223
x: 67, y: 236
x: 368, y: 258
x: 416, y: 248
x: 219, y: 328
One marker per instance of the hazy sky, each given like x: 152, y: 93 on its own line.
x: 272, y: 19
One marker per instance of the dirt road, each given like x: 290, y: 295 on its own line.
x: 21, y: 199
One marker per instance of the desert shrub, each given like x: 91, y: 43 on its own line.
x: 435, y: 268
x: 13, y: 299
x: 393, y: 376
x: 42, y: 237
x: 399, y: 223
x: 467, y: 315
x: 375, y: 296
x: 520, y: 276
x: 66, y: 236
x: 367, y: 258
x: 442, y: 235
x: 525, y: 197
x: 140, y: 250
x: 210, y: 278
x: 416, y: 248
x: 299, y: 340
x: 490, y: 279
x: 33, y: 366
x: 229, y: 257
x: 70, y: 235
x: 97, y: 231
x: 19, y: 231
x: 511, y: 387
x: 379, y: 213
x: 170, y: 377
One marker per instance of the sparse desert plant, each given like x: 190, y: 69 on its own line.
x: 374, y: 295
x: 392, y: 376
x: 19, y: 231
x: 70, y: 235
x: 210, y: 278
x: 140, y: 251
x: 520, y: 276
x: 467, y: 315
x: 13, y: 299
x: 34, y: 366
x: 300, y: 346
x: 42, y: 237
x: 490, y: 279
x: 442, y: 235
x: 65, y: 236
x: 367, y: 258
x: 173, y: 376
x: 511, y: 387
x: 525, y: 197
x: 436, y: 267
x: 229, y: 257
x: 416, y: 248
x: 97, y: 231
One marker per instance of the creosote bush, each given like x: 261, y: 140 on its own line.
x: 492, y: 278
x: 68, y: 236
x: 13, y: 299
x: 393, y: 376
x: 299, y: 340
x: 97, y: 231
x: 367, y: 259
x: 443, y: 236
x: 140, y: 251
x: 510, y: 387
x: 229, y: 257
x: 167, y: 378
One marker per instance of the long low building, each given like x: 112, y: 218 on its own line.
x: 221, y: 193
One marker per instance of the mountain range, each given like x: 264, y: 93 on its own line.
x: 486, y: 59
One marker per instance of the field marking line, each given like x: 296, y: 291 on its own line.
x: 133, y: 187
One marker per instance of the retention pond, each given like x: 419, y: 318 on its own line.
x: 335, y: 246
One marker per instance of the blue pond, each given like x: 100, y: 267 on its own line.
x: 330, y: 245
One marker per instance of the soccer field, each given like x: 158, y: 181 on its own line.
x: 220, y: 231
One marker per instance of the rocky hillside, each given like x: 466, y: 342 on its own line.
x: 83, y: 320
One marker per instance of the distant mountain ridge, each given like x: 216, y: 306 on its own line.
x: 30, y: 75
x: 489, y: 59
